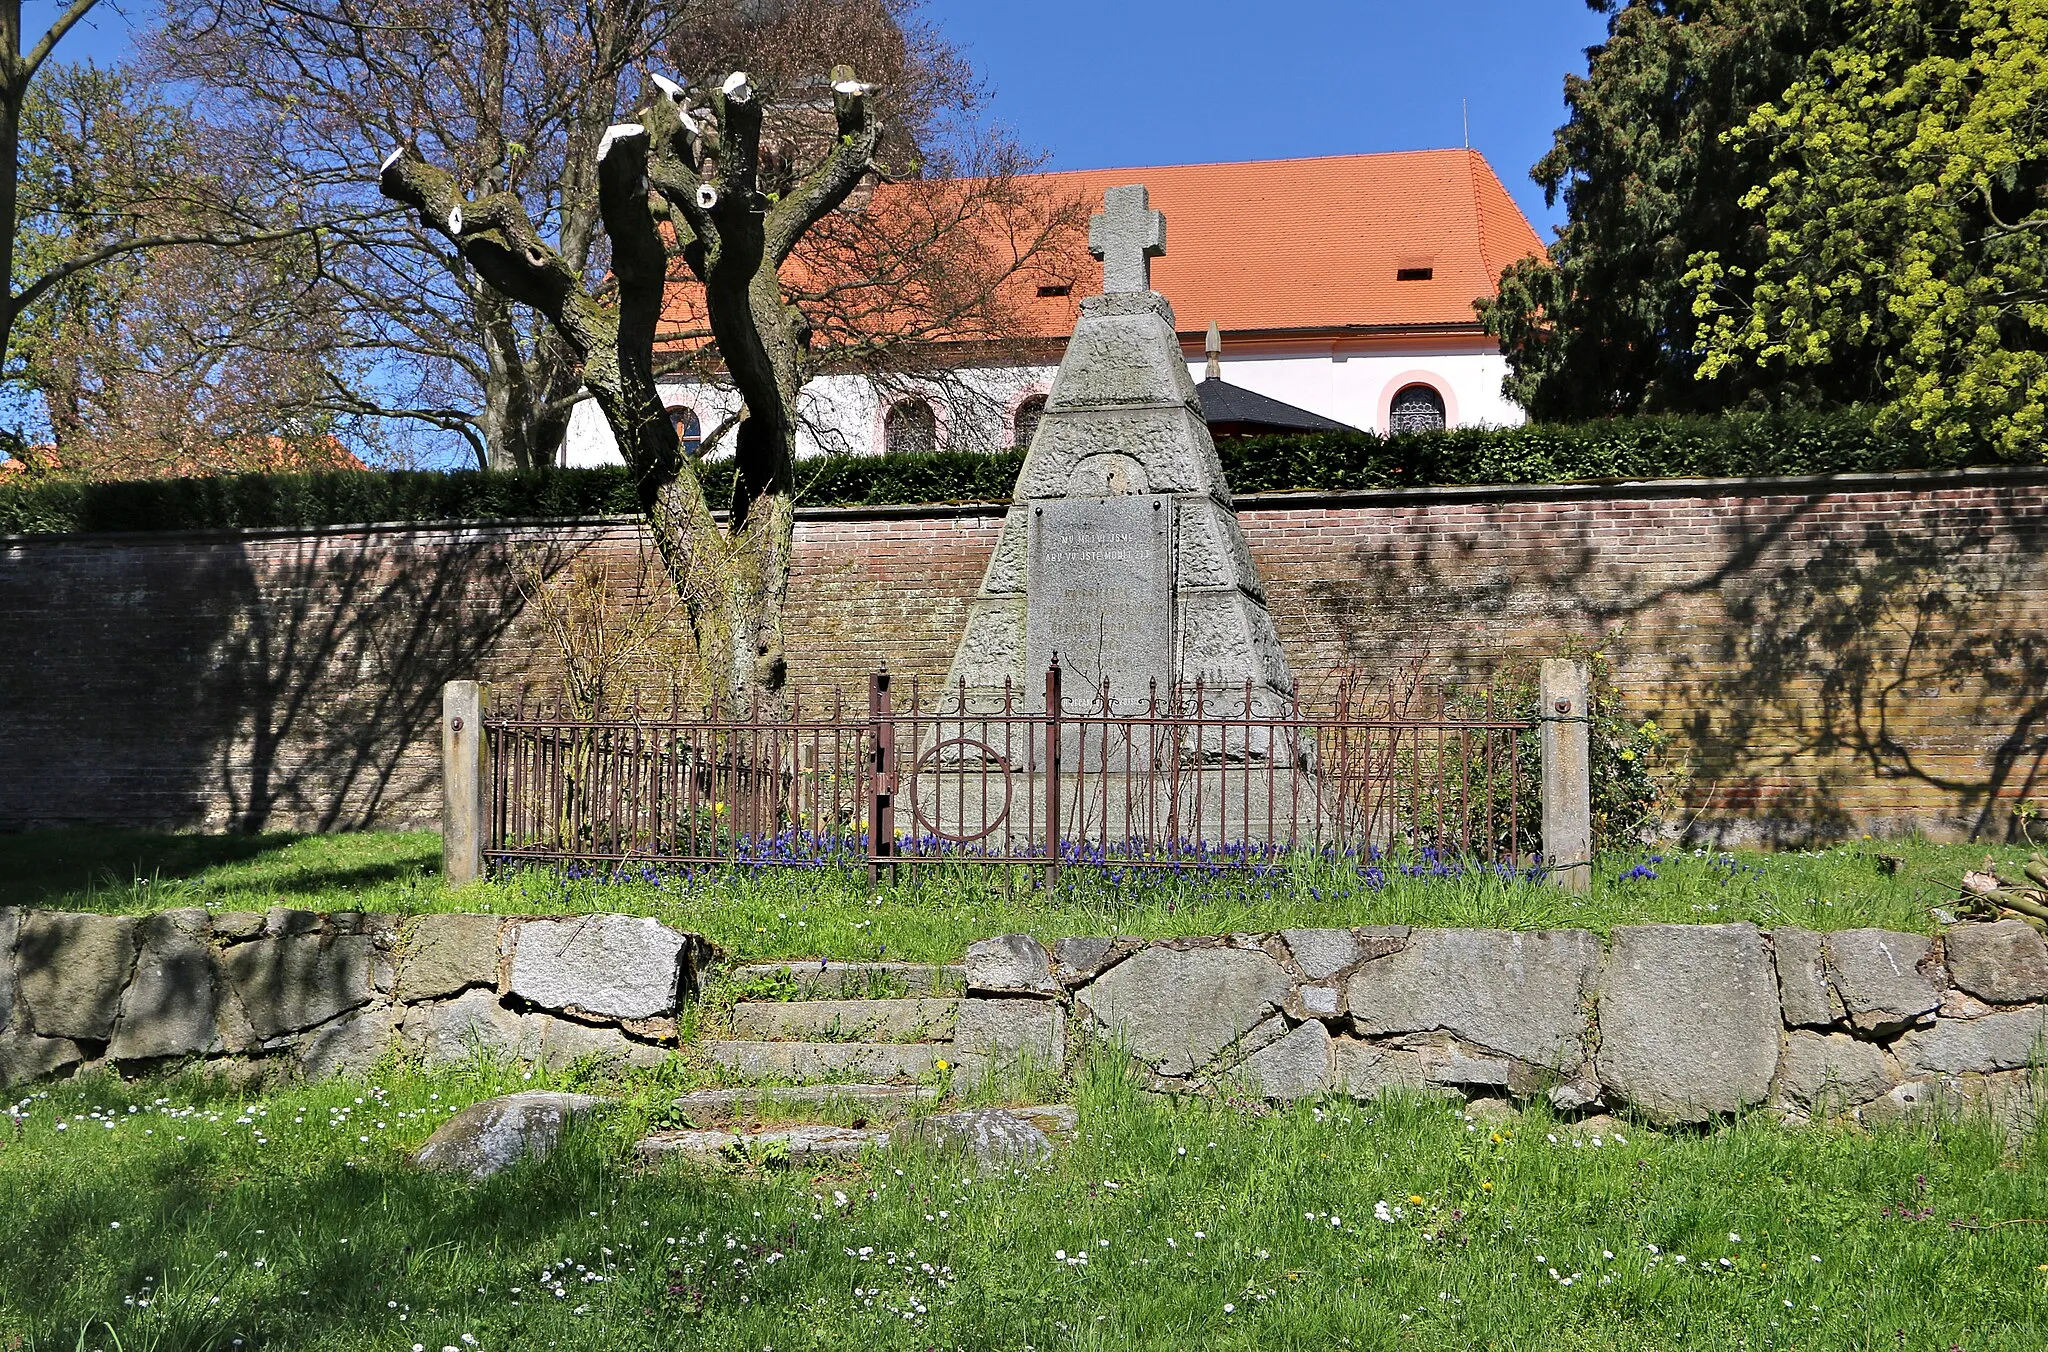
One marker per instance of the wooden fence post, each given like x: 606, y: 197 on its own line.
x: 465, y: 781
x: 1563, y: 707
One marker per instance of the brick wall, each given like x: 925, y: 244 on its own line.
x: 1836, y: 657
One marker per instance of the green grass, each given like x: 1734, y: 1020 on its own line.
x: 932, y: 914
x: 199, y: 1219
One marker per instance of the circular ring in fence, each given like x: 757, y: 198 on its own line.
x: 919, y: 771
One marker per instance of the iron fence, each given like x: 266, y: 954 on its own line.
x: 1188, y: 773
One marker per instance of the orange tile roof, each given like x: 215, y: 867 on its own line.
x: 1278, y: 245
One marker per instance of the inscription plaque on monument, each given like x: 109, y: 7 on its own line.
x: 1101, y: 596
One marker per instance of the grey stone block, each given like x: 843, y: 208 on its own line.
x: 2005, y: 963
x: 611, y: 966
x: 25, y: 1058
x: 1076, y: 960
x: 1522, y: 994
x: 1010, y: 962
x: 446, y: 954
x: 295, y: 981
x: 1008, y: 1030
x: 237, y: 925
x: 849, y: 1020
x: 1297, y: 1066
x: 827, y: 1060
x: 287, y: 920
x: 1176, y: 1010
x: 1322, y: 953
x: 1821, y: 1074
x: 1808, y: 1000
x: 351, y: 1045
x: 992, y: 1138
x: 795, y: 1144
x: 564, y: 1042
x: 10, y: 931
x: 1366, y: 1070
x: 1316, y: 1002
x: 1877, y: 974
x: 170, y: 1007
x: 1689, y: 1020
x: 71, y: 970
x: 487, y: 1137
x: 875, y: 1101
x: 471, y: 1024
x: 2012, y: 1040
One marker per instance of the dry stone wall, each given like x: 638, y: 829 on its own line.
x: 293, y: 993
x: 1680, y: 1023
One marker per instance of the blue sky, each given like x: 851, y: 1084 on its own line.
x: 1103, y: 83
x: 1112, y: 83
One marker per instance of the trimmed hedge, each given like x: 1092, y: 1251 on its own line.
x: 1632, y: 448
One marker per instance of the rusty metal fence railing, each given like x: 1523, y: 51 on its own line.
x: 1187, y: 774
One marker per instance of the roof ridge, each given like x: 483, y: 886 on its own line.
x: 1283, y: 159
x: 1472, y: 160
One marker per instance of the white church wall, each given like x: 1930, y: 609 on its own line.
x: 976, y: 406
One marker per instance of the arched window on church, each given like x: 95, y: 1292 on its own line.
x: 1416, y: 408
x: 1028, y: 414
x: 688, y: 430
x: 910, y: 428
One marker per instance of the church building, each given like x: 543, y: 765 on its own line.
x: 1310, y: 294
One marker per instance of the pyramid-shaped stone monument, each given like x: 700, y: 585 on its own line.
x: 1121, y: 551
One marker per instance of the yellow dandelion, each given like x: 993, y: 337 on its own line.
x: 943, y: 1064
x: 1486, y: 1187
x: 1414, y: 1199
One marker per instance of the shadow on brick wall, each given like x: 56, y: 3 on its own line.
x: 1828, y: 672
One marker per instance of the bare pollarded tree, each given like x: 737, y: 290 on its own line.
x: 690, y: 183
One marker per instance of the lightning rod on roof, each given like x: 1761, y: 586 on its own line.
x: 1465, y: 113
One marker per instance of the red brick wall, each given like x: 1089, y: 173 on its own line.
x: 1835, y: 659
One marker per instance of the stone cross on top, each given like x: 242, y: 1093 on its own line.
x: 1127, y: 235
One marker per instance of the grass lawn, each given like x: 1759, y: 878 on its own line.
x: 933, y: 914
x: 172, y: 1214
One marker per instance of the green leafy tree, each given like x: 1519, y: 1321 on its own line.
x: 1905, y: 222
x: 1605, y: 324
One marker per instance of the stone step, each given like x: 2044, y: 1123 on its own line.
x: 855, y: 980
x: 878, y: 1102
x: 799, y: 1061
x: 980, y: 1132
x: 924, y: 1020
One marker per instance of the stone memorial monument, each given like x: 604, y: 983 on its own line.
x: 1121, y: 552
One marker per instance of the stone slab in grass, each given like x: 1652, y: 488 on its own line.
x: 171, y: 1007
x: 1877, y: 973
x: 1824, y: 1073
x: 1519, y: 993
x: 608, y: 966
x: 912, y: 1020
x: 995, y: 1139
x: 2011, y: 1040
x: 1176, y: 1009
x: 1689, y: 1020
x: 774, y: 1144
x: 447, y: 954
x: 828, y: 1060
x: 489, y: 1137
x: 298, y: 980
x: 2005, y: 963
x: 1007, y: 1029
x: 70, y: 969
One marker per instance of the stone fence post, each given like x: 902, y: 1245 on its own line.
x: 465, y: 781
x: 1565, y: 711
